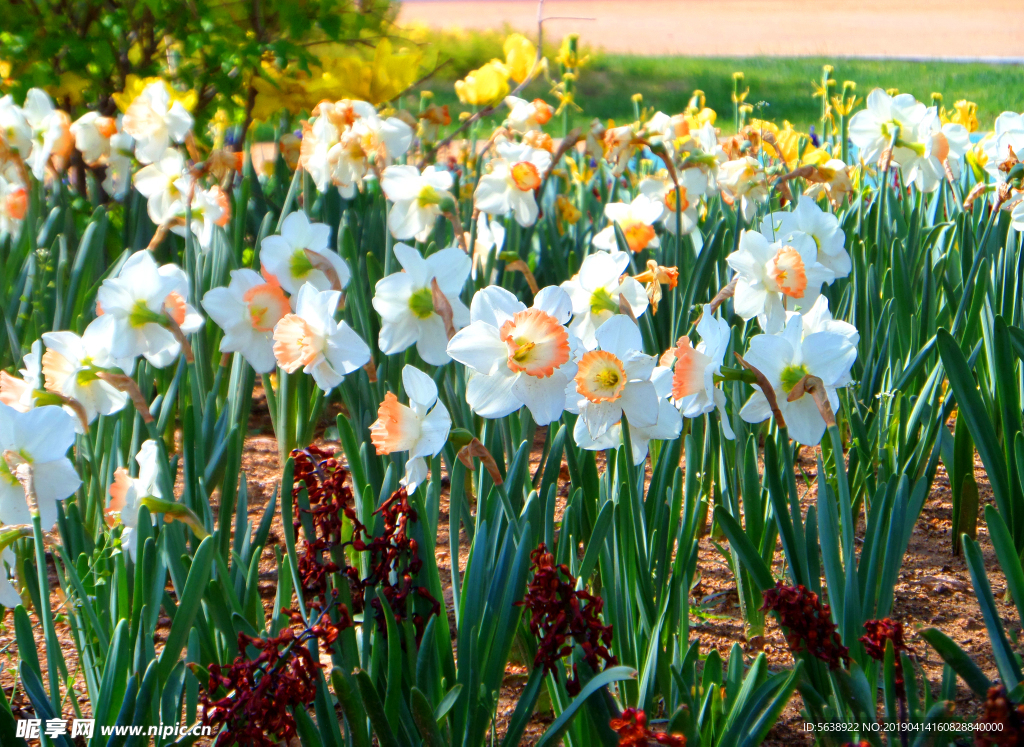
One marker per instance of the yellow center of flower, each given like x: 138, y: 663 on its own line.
x: 601, y: 300
x: 786, y: 269
x: 421, y: 303
x: 537, y: 343
x: 601, y: 376
x: 670, y: 200
x: 299, y: 265
x: 266, y: 304
x: 141, y: 315
x: 428, y: 196
x: 791, y: 375
x: 525, y: 176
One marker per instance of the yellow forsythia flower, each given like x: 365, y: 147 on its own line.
x: 485, y: 86
x: 69, y: 88
x: 134, y: 85
x: 378, y: 80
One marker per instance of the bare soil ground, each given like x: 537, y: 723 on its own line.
x: 947, y: 29
x: 934, y: 589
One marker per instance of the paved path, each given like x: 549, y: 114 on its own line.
x: 949, y: 29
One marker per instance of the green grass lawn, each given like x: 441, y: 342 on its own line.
x: 780, y: 88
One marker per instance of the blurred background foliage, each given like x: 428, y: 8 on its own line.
x: 84, y: 52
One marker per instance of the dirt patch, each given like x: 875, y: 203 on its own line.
x: 934, y: 589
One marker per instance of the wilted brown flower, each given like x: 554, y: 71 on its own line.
x: 809, y: 623
x: 558, y: 612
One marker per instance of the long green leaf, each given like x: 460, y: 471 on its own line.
x: 554, y: 732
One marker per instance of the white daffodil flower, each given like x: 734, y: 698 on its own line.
x: 312, y: 340
x: 421, y: 428
x: 34, y: 446
x: 695, y: 368
x: 300, y: 255
x: 663, y: 191
x: 119, y: 165
x: 743, y: 179
x: 785, y: 359
x: 161, y: 184
x: 525, y: 116
x: 490, y: 236
x: 518, y: 355
x: 418, y: 199
x: 596, y: 292
x: 136, y: 309
x: 127, y: 492
x: 1017, y: 216
x: 819, y: 319
x: 384, y: 140
x: 92, y: 132
x: 1006, y: 141
x: 21, y: 393
x: 668, y: 426
x: 15, y: 131
x: 615, y: 379
x: 405, y: 302
x: 703, y: 149
x: 323, y: 154
x: 823, y: 227
x: 942, y: 146
x: 70, y: 365
x: 834, y: 181
x: 210, y: 208
x: 636, y: 219
x: 51, y: 133
x: 13, y: 203
x: 155, y: 121
x: 511, y: 184
x: 247, y: 310
x: 872, y: 128
x: 776, y: 277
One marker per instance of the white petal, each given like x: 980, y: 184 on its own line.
x: 479, y: 347
x: 419, y: 387
x: 492, y: 396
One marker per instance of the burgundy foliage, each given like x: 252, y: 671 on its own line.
x: 809, y: 623
x: 558, y: 613
x: 252, y: 699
